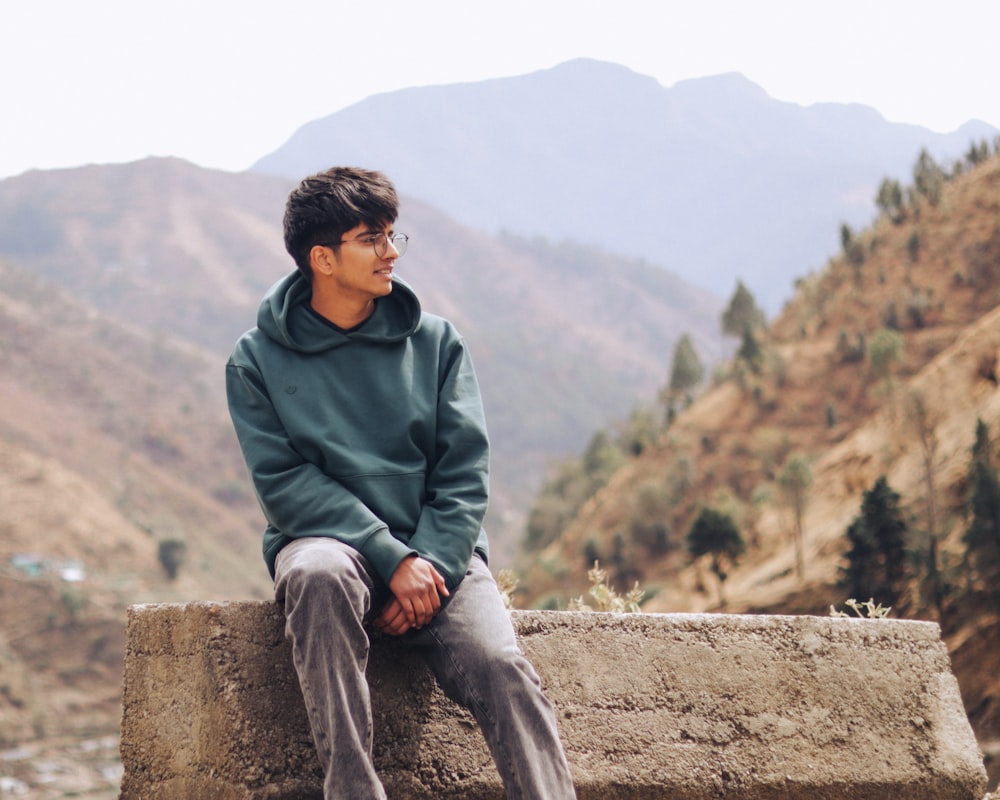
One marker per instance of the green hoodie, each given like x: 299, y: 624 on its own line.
x: 373, y: 436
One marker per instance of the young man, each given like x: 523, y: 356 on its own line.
x: 362, y: 427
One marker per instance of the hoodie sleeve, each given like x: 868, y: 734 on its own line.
x: 297, y: 498
x: 457, y: 481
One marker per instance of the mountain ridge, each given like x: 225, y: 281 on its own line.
x: 595, y: 152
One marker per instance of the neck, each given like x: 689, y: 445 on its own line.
x: 340, y: 311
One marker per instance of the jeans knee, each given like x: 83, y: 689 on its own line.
x: 502, y: 671
x: 326, y: 574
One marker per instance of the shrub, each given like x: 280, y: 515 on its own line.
x: 885, y: 350
x: 871, y: 609
x: 715, y: 534
x: 171, y: 553
x: 847, y: 353
x: 606, y: 597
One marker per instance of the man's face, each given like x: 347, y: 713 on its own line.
x: 356, y: 270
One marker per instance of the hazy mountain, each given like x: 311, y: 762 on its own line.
x: 711, y: 177
x: 565, y: 338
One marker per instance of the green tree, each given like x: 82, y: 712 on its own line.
x: 928, y: 178
x: 854, y: 249
x: 750, y: 351
x: 890, y: 200
x: 742, y: 313
x: 171, y: 553
x: 847, y: 352
x: 982, y: 536
x: 714, y: 534
x: 876, y: 556
x: 978, y: 152
x: 795, y: 480
x: 686, y: 370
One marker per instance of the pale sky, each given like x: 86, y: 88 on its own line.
x: 224, y: 82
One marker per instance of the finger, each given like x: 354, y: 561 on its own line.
x: 423, y: 610
x: 395, y: 629
x: 390, y: 608
x: 392, y: 611
x: 410, y: 611
x: 442, y: 586
x: 392, y: 621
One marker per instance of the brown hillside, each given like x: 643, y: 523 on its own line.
x: 140, y: 416
x: 813, y: 398
x: 564, y: 337
x: 112, y: 441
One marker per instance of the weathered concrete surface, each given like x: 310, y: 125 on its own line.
x: 650, y: 706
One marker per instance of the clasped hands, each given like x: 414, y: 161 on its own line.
x: 417, y: 590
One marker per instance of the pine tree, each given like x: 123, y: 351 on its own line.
x: 876, y: 559
x: 890, y: 199
x: 750, y: 351
x: 686, y: 372
x: 742, y: 313
x: 856, y: 576
x: 928, y: 178
x: 982, y: 536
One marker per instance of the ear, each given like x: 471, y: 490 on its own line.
x: 322, y: 259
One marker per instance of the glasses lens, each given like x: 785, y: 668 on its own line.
x: 381, y: 244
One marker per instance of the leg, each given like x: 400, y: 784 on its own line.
x: 471, y: 648
x: 326, y: 588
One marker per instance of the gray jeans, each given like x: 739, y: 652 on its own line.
x: 329, y: 590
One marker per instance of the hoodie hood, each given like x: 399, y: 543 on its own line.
x: 285, y: 316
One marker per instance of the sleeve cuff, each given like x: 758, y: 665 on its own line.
x: 384, y: 552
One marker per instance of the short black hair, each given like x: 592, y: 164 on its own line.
x: 324, y: 206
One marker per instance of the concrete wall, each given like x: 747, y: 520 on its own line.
x: 650, y: 706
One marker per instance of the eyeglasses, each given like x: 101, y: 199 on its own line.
x: 379, y: 242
